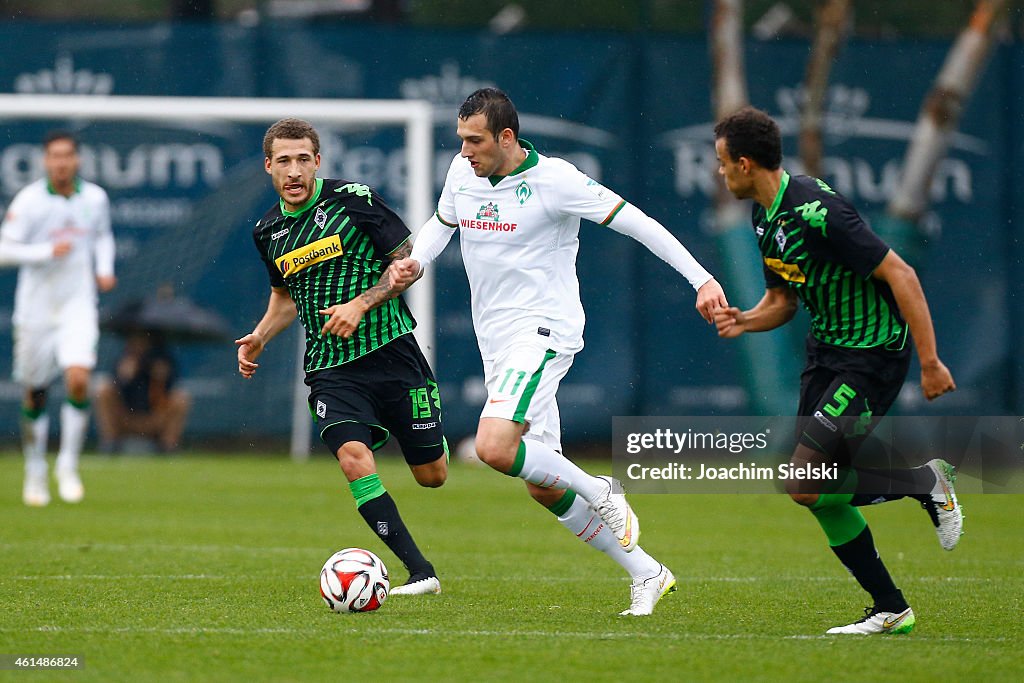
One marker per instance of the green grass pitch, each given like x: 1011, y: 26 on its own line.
x: 205, y: 567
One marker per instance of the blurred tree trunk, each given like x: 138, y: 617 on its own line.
x: 730, y: 80
x: 939, y: 118
x: 831, y: 22
x: 769, y: 367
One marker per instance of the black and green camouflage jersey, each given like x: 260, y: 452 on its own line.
x: 329, y: 252
x: 813, y: 241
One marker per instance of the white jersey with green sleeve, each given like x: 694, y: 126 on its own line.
x: 519, y: 236
x: 48, y: 288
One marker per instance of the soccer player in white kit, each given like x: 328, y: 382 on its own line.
x: 518, y: 213
x: 57, y: 230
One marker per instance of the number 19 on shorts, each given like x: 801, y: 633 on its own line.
x: 425, y: 400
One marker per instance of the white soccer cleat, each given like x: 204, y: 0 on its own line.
x: 69, y: 486
x: 878, y: 622
x: 943, y: 507
x: 35, y: 493
x: 644, y: 594
x: 425, y: 586
x: 616, y: 513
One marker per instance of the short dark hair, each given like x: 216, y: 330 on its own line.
x: 55, y: 135
x: 751, y: 133
x: 290, y: 129
x: 496, y: 107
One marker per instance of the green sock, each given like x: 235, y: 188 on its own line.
x: 840, y: 521
x: 562, y: 505
x: 380, y: 513
x: 366, y: 489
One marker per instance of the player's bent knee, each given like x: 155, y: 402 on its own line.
x: 356, y: 460
x: 805, y: 499
x: 495, y: 452
x: 428, y: 464
x: 432, y: 477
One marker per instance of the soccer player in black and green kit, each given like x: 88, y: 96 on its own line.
x: 863, y: 300
x: 326, y: 246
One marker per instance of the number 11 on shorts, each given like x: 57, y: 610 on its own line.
x: 511, y: 372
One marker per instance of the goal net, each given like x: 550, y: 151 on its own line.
x: 186, y: 182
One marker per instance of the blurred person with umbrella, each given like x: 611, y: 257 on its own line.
x: 57, y: 230
x: 141, y: 399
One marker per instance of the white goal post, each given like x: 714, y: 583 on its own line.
x: 415, y: 116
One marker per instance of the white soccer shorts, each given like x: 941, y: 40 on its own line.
x: 42, y: 353
x: 521, y: 385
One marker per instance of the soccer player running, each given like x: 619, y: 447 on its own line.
x: 863, y: 300
x: 519, y: 213
x: 326, y: 246
x: 57, y: 230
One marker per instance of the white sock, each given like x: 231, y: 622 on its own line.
x: 73, y: 424
x: 34, y: 434
x: 549, y: 469
x: 584, y: 522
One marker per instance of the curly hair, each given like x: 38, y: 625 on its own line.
x: 751, y: 133
x: 290, y: 129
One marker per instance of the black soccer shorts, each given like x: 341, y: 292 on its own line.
x: 388, y: 392
x: 844, y: 392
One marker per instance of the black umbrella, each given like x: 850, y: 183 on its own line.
x: 174, y: 318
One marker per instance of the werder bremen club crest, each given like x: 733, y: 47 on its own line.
x: 523, y: 192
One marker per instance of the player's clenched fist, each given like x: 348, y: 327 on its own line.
x: 404, y: 272
x: 729, y: 322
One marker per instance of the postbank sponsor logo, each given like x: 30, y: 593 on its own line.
x: 309, y: 255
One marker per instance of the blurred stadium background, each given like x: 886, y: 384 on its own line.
x: 621, y: 88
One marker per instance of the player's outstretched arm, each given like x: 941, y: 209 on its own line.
x: 280, y: 314
x: 776, y: 308
x: 936, y: 379
x: 635, y: 223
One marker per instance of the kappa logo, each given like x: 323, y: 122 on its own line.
x: 321, y: 409
x: 279, y: 234
x: 358, y: 190
x: 827, y: 423
x: 759, y: 230
x: 488, y: 211
x: 321, y: 250
x: 320, y: 218
x: 523, y: 192
x: 382, y: 528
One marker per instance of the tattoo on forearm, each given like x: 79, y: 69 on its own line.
x: 384, y: 290
x: 379, y: 293
x: 404, y: 250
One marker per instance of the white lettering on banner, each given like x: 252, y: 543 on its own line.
x: 696, y: 165
x: 157, y: 166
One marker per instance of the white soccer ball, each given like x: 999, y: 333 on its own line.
x: 354, y: 580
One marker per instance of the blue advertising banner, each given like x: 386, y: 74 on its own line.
x: 635, y: 115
